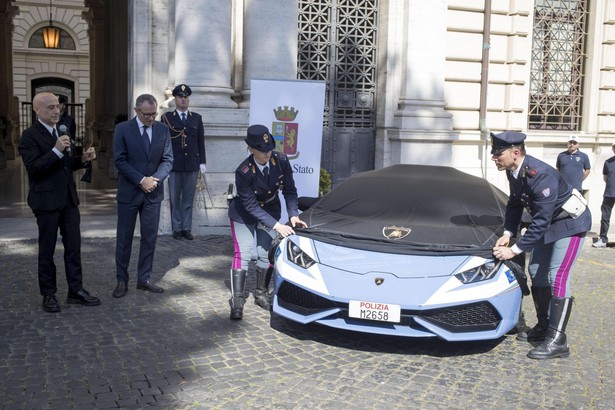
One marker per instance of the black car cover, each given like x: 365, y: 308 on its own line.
x: 410, y: 209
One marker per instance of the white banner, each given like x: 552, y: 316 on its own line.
x: 293, y: 112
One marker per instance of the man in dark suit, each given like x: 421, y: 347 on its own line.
x: 54, y: 201
x: 143, y: 157
x: 187, y: 139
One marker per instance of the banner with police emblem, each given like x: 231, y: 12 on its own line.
x: 293, y: 111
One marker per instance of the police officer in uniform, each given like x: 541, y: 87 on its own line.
x: 560, y: 221
x: 188, y: 142
x: 256, y: 211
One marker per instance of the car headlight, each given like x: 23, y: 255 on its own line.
x: 480, y: 273
x: 298, y: 257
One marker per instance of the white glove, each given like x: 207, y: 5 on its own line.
x: 202, y: 166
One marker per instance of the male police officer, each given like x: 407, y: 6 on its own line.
x: 560, y: 221
x: 187, y: 138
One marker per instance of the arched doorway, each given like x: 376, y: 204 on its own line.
x: 69, y: 72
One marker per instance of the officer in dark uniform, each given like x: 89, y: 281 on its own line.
x: 560, y: 221
x: 255, y: 212
x: 188, y: 141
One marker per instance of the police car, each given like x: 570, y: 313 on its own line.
x: 404, y: 250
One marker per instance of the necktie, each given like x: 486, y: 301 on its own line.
x: 184, y: 117
x: 54, y: 134
x: 266, y: 173
x: 145, y: 137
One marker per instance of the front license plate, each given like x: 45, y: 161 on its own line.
x: 382, y: 312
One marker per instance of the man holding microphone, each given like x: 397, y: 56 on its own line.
x: 53, y: 199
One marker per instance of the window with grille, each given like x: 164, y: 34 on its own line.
x: 337, y: 44
x: 557, y: 64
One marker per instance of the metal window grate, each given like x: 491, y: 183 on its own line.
x: 337, y: 44
x: 557, y: 64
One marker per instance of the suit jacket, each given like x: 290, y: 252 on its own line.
x: 188, y: 140
x: 50, y: 177
x: 134, y: 162
x: 257, y: 199
x: 542, y: 190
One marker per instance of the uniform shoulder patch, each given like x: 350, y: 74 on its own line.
x: 245, y: 169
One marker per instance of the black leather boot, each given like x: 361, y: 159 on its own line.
x: 542, y: 301
x: 237, y: 300
x: 260, y: 294
x: 555, y: 344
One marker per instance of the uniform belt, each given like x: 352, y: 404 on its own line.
x: 561, y: 214
x: 269, y: 199
x: 572, y: 208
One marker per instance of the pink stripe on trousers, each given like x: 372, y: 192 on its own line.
x: 561, y: 277
x: 237, y: 254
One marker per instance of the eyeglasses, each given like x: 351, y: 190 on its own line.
x: 572, y: 142
x: 148, y: 114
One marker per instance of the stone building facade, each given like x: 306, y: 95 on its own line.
x: 441, y: 75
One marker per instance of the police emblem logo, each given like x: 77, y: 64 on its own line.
x: 546, y: 192
x: 286, y: 136
x: 266, y: 138
x: 286, y: 131
x: 379, y: 281
x: 395, y: 232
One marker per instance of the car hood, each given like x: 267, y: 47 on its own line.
x: 410, y: 209
x: 364, y: 262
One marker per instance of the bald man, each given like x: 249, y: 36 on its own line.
x: 54, y: 201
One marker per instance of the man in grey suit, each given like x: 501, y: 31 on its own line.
x: 143, y: 157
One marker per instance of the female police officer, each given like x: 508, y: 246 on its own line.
x: 255, y: 212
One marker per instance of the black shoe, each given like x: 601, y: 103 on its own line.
x: 82, y: 297
x: 535, y: 334
x: 236, y: 307
x: 120, y: 289
x: 177, y: 235
x: 150, y: 287
x: 262, y: 299
x: 188, y: 235
x: 50, y: 304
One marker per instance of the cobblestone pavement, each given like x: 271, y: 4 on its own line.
x: 179, y: 350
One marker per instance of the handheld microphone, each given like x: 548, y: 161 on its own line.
x: 63, y: 131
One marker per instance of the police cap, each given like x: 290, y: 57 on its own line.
x: 182, y: 90
x: 505, y: 140
x: 259, y: 138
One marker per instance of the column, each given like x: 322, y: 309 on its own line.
x: 9, y: 118
x: 269, y: 42
x: 203, y: 51
x: 421, y: 117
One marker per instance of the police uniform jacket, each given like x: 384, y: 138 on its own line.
x: 187, y: 140
x: 542, y: 191
x: 257, y: 199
